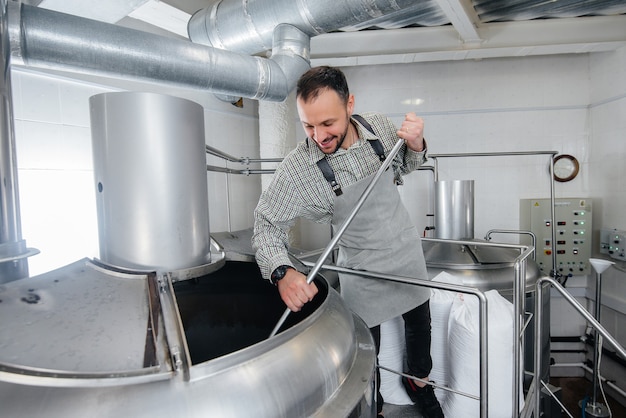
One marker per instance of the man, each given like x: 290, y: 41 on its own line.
x: 322, y: 179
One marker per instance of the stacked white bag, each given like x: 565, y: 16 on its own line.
x: 464, y: 353
x: 392, y: 356
x: 440, y: 307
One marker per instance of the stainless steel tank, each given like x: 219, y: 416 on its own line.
x: 479, y: 266
x: 150, y: 180
x: 86, y: 340
x: 454, y: 209
x: 482, y: 267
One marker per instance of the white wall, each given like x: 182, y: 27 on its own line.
x: 496, y: 105
x: 607, y: 155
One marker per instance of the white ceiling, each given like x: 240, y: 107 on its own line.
x: 601, y: 26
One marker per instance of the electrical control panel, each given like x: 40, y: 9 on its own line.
x: 573, y: 228
x: 613, y: 243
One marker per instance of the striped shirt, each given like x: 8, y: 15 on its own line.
x: 299, y: 189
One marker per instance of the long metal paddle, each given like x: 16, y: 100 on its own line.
x: 344, y: 226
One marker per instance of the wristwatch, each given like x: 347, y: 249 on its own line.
x: 279, y: 273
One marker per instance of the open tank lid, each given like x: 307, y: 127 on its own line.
x: 79, y: 318
x: 470, y: 257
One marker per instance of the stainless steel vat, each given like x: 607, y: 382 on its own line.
x: 482, y: 267
x: 86, y: 340
x: 454, y: 209
x: 150, y: 181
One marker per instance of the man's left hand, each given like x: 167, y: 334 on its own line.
x: 412, y: 131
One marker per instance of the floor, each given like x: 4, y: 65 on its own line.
x: 573, y: 390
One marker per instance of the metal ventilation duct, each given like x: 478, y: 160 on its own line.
x: 47, y: 39
x: 246, y: 26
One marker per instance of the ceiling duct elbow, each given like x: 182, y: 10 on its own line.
x: 247, y: 26
x: 291, y: 51
x: 278, y: 75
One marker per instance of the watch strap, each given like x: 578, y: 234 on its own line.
x: 279, y: 273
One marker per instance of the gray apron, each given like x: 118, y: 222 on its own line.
x: 381, y: 238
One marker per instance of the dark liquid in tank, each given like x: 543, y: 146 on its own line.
x: 233, y: 308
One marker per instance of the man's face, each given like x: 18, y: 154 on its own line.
x: 326, y: 119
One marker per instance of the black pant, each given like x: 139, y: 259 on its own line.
x: 417, y: 337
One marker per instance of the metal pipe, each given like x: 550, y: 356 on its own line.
x: 555, y: 273
x: 346, y: 223
x: 538, y: 348
x: 430, y: 383
x: 492, y: 154
x: 519, y: 286
x: 48, y: 39
x: 13, y: 251
x: 245, y: 171
x: 596, y: 346
x: 533, y: 237
x: 242, y: 160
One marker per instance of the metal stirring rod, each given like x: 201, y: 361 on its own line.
x: 344, y: 226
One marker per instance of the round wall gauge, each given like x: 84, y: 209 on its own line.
x: 565, y: 167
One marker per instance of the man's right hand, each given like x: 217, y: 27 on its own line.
x: 295, y: 291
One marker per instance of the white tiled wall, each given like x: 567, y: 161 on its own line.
x: 607, y: 153
x: 497, y: 105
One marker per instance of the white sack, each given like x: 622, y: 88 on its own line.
x: 391, y: 355
x: 440, y: 305
x: 464, y: 356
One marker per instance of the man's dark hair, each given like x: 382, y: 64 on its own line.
x: 317, y: 79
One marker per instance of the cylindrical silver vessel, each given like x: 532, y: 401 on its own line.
x: 88, y: 341
x: 454, y: 209
x: 150, y: 177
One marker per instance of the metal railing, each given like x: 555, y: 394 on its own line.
x: 537, y: 382
x: 518, y: 295
x: 550, y: 154
x: 532, y: 401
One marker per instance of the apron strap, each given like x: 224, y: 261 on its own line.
x: 327, y: 170
x: 378, y: 147
x: 329, y: 175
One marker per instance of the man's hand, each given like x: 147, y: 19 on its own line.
x: 412, y: 131
x: 295, y: 291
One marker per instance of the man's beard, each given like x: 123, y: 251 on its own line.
x: 343, y: 137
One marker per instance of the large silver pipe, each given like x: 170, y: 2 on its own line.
x: 48, y: 39
x: 454, y: 209
x: 246, y: 26
x: 150, y: 182
x: 13, y: 251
